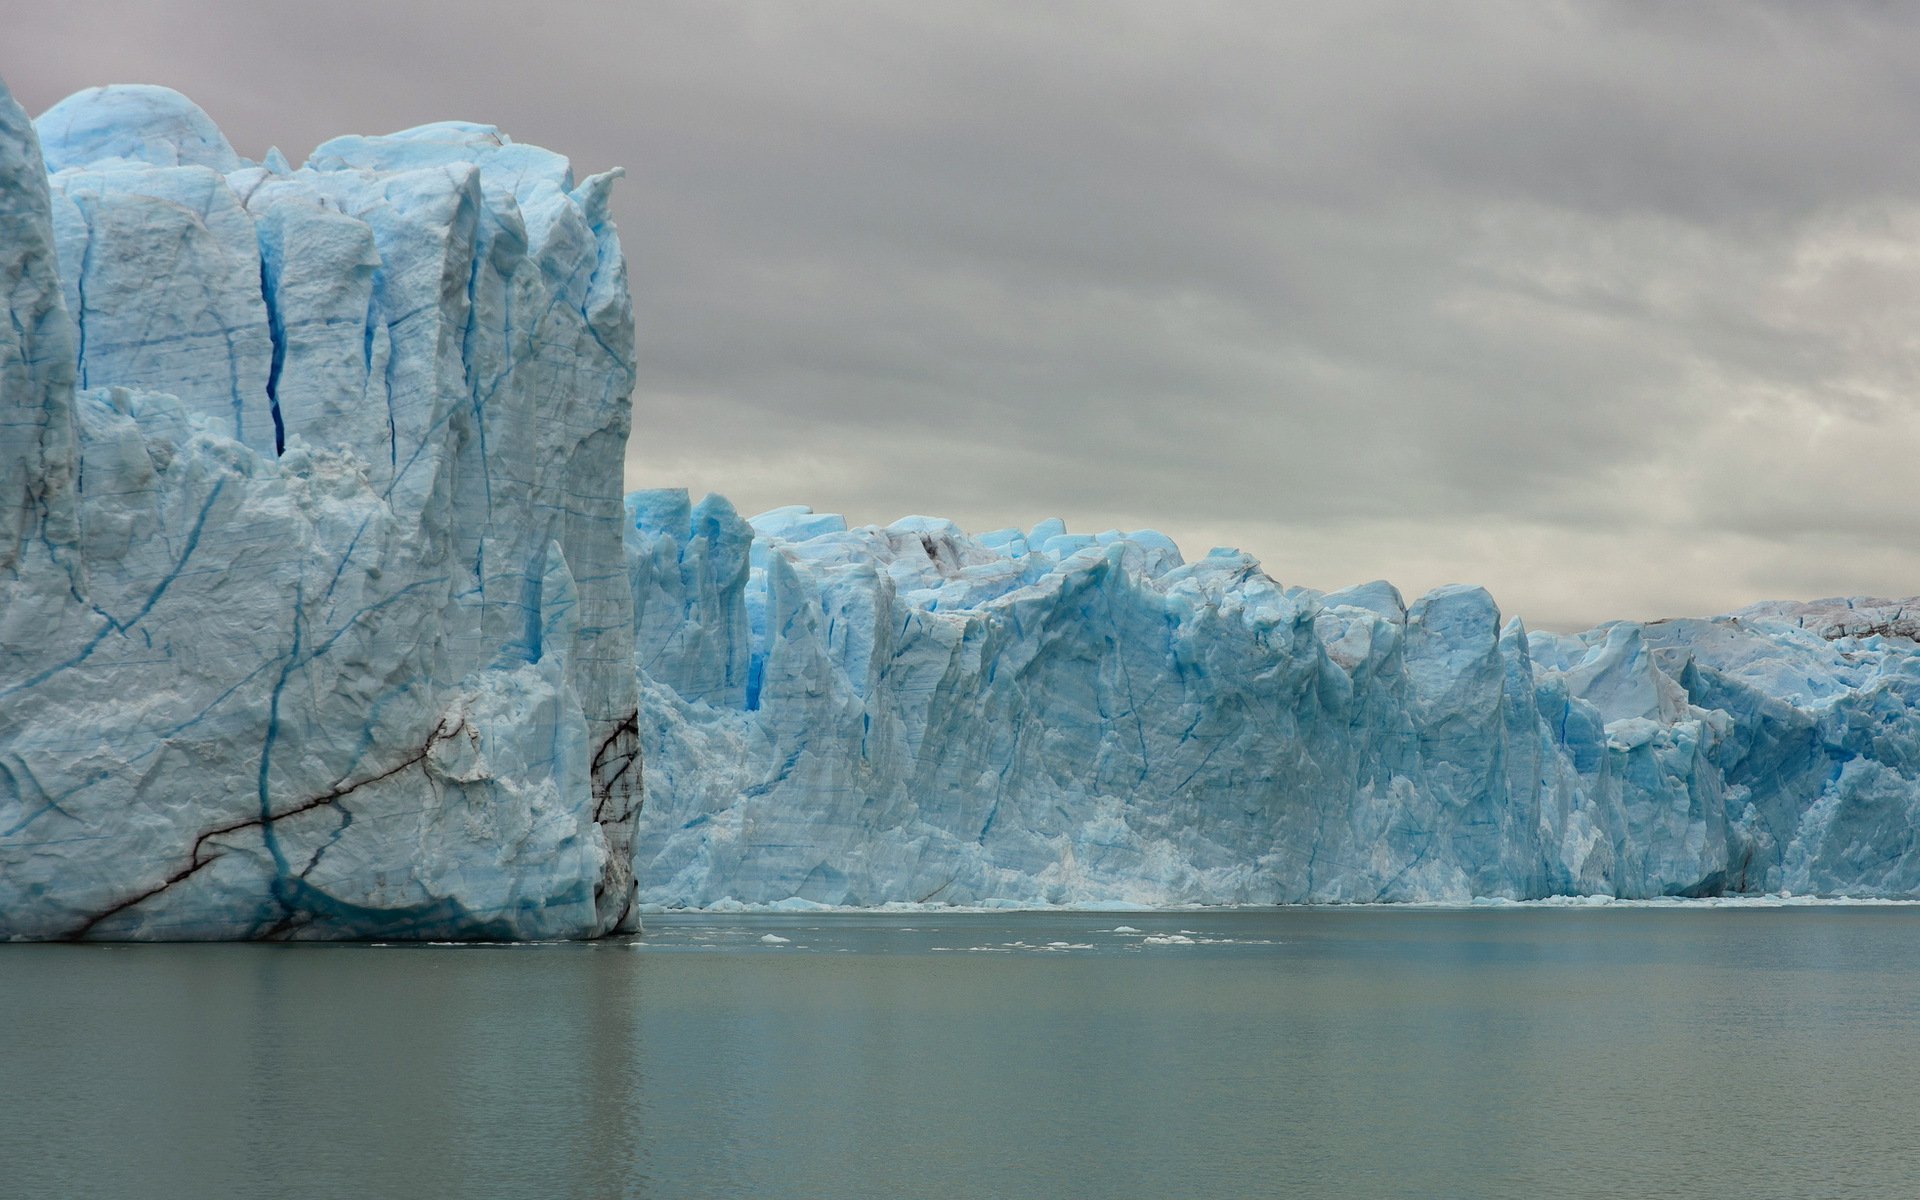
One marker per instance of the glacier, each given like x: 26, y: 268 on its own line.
x: 322, y: 615
x: 314, y: 619
x: 908, y: 714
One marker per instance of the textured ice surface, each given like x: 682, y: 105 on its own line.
x: 876, y: 715
x: 313, y: 620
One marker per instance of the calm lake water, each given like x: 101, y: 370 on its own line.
x: 1315, y: 1053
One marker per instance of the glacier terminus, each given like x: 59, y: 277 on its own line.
x: 911, y: 714
x: 322, y: 615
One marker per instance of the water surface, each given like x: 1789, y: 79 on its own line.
x: 1313, y: 1053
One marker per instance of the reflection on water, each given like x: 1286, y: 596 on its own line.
x: 1362, y: 1053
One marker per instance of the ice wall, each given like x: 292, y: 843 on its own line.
x: 313, y: 618
x: 856, y: 716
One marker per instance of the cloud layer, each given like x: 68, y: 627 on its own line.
x: 1614, y: 308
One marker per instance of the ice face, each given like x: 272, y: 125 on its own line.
x: 313, y: 614
x: 319, y: 616
x: 1051, y: 718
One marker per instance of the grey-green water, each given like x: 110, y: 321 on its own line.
x: 1363, y: 1053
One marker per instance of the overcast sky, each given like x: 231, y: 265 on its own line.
x: 1613, y: 308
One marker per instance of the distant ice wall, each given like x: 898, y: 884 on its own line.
x: 313, y: 614
x: 856, y: 716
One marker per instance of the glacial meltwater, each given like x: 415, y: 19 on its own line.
x: 1511, y: 1052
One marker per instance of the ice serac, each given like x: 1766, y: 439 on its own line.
x: 868, y: 715
x: 314, y: 614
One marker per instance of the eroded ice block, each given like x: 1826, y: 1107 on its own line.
x: 314, y: 620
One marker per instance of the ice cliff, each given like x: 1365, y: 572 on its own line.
x: 320, y: 616
x: 857, y: 716
x: 313, y: 617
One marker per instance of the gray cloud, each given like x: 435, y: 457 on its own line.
x: 1610, y: 306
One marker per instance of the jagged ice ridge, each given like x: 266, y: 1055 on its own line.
x: 909, y: 714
